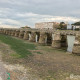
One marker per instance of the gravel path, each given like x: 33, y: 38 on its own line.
x: 16, y: 71
x: 3, y: 72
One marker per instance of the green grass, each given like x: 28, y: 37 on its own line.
x: 39, y: 53
x: 22, y: 49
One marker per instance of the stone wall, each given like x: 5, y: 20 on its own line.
x: 53, y: 37
x: 76, y: 48
x: 43, y: 37
x: 51, y: 25
x: 56, y: 42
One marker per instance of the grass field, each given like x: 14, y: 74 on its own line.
x: 18, y: 45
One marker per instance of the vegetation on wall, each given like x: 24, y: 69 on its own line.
x: 76, y: 23
x: 63, y: 25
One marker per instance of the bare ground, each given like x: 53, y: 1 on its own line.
x: 46, y: 63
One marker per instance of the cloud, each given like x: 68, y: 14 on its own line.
x: 28, y: 12
x: 39, y: 17
x: 59, y: 18
x: 8, y: 26
x: 10, y: 21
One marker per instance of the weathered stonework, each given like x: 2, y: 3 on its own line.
x: 64, y: 41
x: 37, y: 36
x: 26, y: 36
x: 76, y: 48
x: 52, y: 25
x: 9, y: 33
x: 56, y: 38
x: 13, y: 33
x: 4, y: 31
x: 17, y: 33
x: 56, y: 43
x: 33, y: 37
x: 43, y: 37
x: 21, y: 34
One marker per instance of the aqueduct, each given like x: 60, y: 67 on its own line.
x: 69, y: 39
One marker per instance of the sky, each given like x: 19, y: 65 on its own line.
x: 19, y: 13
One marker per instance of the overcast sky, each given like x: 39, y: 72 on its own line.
x: 18, y: 13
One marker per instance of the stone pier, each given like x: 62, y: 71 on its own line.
x: 13, y: 33
x: 70, y: 40
x: 76, y: 47
x: 29, y: 36
x: 7, y: 32
x: 21, y: 34
x: 64, y: 41
x: 26, y: 35
x: 4, y: 32
x: 17, y: 33
x: 1, y: 31
x: 10, y: 31
x: 56, y: 40
x: 33, y: 36
x: 37, y: 37
x: 43, y: 38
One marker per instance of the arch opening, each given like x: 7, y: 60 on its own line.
x: 64, y: 42
x: 49, y: 39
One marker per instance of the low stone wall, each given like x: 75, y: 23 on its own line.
x: 21, y: 34
x: 43, y: 37
x: 76, y: 48
x: 26, y: 36
x: 33, y: 37
x: 12, y: 33
x: 17, y: 33
x: 56, y: 42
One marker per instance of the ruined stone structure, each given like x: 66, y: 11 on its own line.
x: 52, y: 25
x: 69, y: 39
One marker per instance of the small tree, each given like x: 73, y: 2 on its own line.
x: 63, y: 25
x: 76, y: 23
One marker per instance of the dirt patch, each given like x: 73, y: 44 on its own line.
x: 14, y: 65
x: 52, y: 64
x: 6, y: 53
x: 19, y: 72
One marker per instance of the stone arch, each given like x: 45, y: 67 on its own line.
x: 56, y: 40
x: 29, y: 35
x: 12, y: 32
x: 49, y: 39
x: 17, y: 33
x: 37, y: 36
x: 26, y: 35
x: 21, y: 34
x: 64, y: 41
x: 4, y: 31
x: 9, y: 32
x: 43, y: 38
x: 76, y: 47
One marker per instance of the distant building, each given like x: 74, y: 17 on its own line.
x: 69, y: 26
x: 52, y: 25
x: 75, y: 27
x: 25, y: 27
